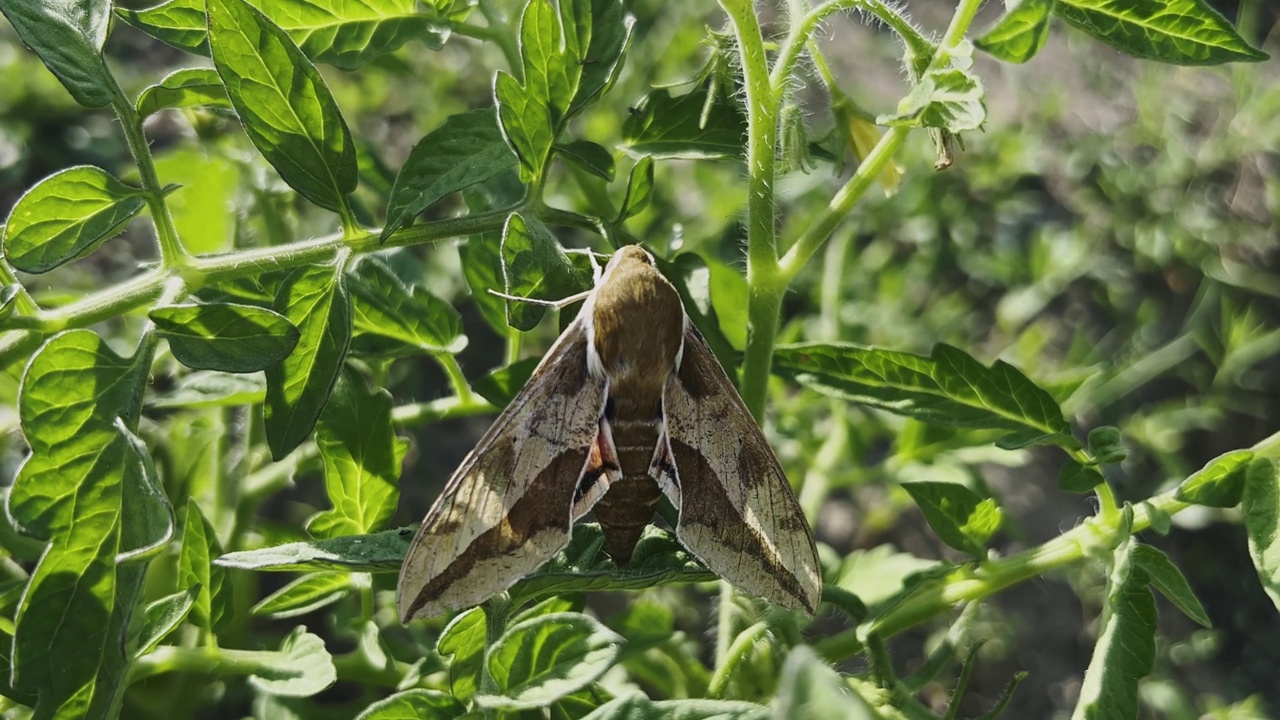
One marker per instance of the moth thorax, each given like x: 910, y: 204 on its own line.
x: 638, y: 330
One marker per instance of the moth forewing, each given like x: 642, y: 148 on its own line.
x: 508, y: 507
x: 738, y: 514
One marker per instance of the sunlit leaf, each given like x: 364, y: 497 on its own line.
x: 68, y: 38
x: 1182, y: 32
x: 541, y: 660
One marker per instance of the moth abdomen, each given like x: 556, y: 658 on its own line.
x: 624, y: 512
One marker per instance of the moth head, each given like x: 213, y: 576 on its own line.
x: 628, y: 255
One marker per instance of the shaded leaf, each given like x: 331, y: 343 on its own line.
x: 413, y: 705
x: 337, y: 32
x: 315, y: 300
x: 1182, y: 32
x: 958, y: 516
x: 589, y: 156
x: 1078, y: 478
x: 1220, y: 483
x: 223, y: 336
x: 501, y: 385
x: 67, y: 215
x: 1261, y: 505
x: 463, y: 641
x: 305, y: 594
x: 539, y: 661
x: 481, y: 257
x: 185, y: 88
x: 1020, y: 33
x: 162, y: 617
x: 639, y: 707
x: 384, y: 306
x: 213, y: 604
x: 284, y: 105
x: 601, y: 30
x: 362, y: 457
x: 68, y: 38
x: 302, y: 669
x: 1169, y: 580
x: 639, y: 189
x: 534, y: 266
x: 376, y: 552
x: 467, y: 149
x: 813, y: 690
x: 948, y: 388
x: 212, y: 389
x: 673, y: 127
x: 1126, y: 645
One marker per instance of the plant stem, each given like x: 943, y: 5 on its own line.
x: 172, y: 253
x: 461, y: 388
x: 842, y: 204
x: 799, y: 37
x: 736, y: 653
x: 500, y: 32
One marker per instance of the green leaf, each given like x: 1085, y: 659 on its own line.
x: 186, y: 88
x: 601, y: 30
x: 413, y: 705
x: 66, y: 216
x: 212, y: 389
x: 337, y: 32
x: 303, y: 668
x: 377, y: 552
x: 315, y: 300
x: 1181, y: 32
x: 1169, y: 580
x: 7, y: 295
x: 813, y: 690
x: 947, y: 388
x: 362, y: 457
x: 639, y: 707
x: 467, y: 149
x: 1020, y: 33
x: 481, y: 257
x: 589, y: 156
x: 958, y: 515
x: 1077, y: 478
x: 163, y: 617
x: 86, y: 487
x: 500, y: 386
x: 539, y: 661
x: 1220, y: 483
x: 213, y: 606
x: 179, y: 23
x: 462, y: 640
x: 1105, y: 445
x: 1261, y: 505
x: 729, y: 290
x: 582, y: 566
x: 383, y: 306
x: 305, y: 594
x: 208, y: 184
x: 349, y: 34
x: 223, y: 336
x: 674, y: 127
x: 1126, y: 645
x: 949, y: 98
x: 639, y: 189
x: 68, y: 37
x: 534, y: 266
x: 530, y: 114
x: 284, y: 105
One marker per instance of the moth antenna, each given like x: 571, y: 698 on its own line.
x: 558, y: 304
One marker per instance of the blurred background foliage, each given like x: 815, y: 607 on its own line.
x: 1114, y: 233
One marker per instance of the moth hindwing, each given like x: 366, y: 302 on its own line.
x: 629, y: 405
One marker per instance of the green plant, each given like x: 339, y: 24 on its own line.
x: 105, y: 597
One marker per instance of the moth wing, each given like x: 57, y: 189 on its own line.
x: 507, y: 508
x: 738, y: 514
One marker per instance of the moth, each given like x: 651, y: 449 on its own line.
x: 629, y: 405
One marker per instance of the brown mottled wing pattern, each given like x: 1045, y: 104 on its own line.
x: 738, y: 514
x: 506, y: 510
